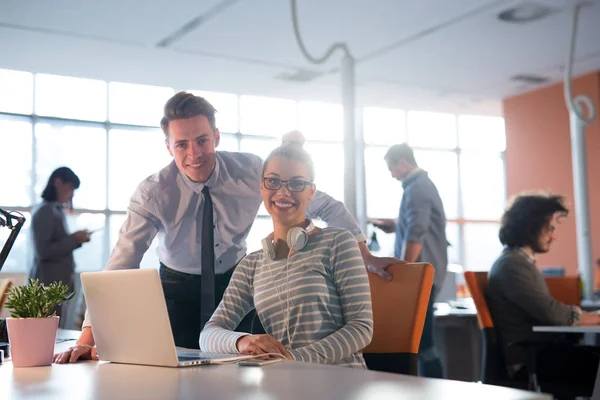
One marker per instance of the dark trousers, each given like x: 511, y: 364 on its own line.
x: 183, y: 298
x: 429, y: 361
x: 560, y: 364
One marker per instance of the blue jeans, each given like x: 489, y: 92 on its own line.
x: 430, y: 364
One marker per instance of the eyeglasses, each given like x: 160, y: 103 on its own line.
x: 293, y: 185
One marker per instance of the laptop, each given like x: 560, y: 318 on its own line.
x: 130, y: 321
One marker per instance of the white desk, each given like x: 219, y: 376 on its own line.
x: 285, y: 380
x: 575, y: 329
x: 567, y: 329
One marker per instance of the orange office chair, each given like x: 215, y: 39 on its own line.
x: 493, y: 366
x: 566, y: 289
x: 399, y: 309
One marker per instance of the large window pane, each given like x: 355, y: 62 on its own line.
x: 260, y: 229
x: 442, y: 168
x: 90, y: 256
x: 453, y: 237
x: 482, y: 246
x: 81, y: 148
x: 16, y: 91
x: 262, y: 148
x: 133, y: 156
x: 321, y: 121
x: 329, y: 168
x: 18, y: 258
x: 228, y: 143
x: 383, y: 191
x: 150, y: 258
x: 481, y: 133
x: 15, y: 162
x: 137, y: 104
x: 68, y: 97
x: 385, y: 126
x: 385, y: 241
x: 428, y: 129
x: 483, y: 185
x: 227, y: 109
x: 267, y: 116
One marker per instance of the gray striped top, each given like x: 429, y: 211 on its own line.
x: 330, y: 313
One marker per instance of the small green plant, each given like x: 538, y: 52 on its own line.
x: 37, y: 300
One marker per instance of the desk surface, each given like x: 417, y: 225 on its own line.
x: 568, y: 329
x: 285, y: 380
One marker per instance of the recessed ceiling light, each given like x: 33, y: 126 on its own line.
x: 525, y: 12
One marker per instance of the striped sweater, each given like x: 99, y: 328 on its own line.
x: 330, y: 315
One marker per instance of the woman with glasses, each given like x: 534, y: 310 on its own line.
x: 309, y: 285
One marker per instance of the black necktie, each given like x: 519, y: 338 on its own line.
x: 208, y: 260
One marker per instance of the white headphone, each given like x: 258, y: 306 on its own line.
x: 297, y: 238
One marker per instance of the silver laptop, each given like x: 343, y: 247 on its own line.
x: 130, y: 321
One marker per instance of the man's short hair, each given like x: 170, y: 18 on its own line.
x: 400, y: 152
x: 185, y: 105
x: 526, y: 216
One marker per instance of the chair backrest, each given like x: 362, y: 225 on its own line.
x: 493, y: 366
x: 566, y: 289
x: 399, y: 308
x: 5, y: 284
x: 477, y: 284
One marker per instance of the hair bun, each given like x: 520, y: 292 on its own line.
x: 293, y: 138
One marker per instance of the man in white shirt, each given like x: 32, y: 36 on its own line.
x: 202, y: 190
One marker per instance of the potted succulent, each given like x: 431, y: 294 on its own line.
x: 33, y: 324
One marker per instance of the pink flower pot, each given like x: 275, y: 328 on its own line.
x: 32, y: 340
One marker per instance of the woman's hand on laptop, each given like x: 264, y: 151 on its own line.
x: 261, y: 344
x: 77, y: 352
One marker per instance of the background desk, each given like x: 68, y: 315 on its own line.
x: 285, y: 380
x: 458, y: 340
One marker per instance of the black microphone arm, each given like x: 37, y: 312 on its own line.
x: 14, y: 223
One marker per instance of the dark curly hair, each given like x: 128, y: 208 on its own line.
x: 526, y: 216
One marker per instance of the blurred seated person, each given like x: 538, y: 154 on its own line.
x: 309, y: 286
x: 518, y: 297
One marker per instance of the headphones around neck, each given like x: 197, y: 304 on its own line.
x: 297, y: 239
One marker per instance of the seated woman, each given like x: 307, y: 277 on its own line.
x: 309, y: 286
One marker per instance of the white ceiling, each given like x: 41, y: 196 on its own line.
x: 429, y: 54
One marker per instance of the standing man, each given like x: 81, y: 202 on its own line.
x: 420, y: 237
x: 202, y: 207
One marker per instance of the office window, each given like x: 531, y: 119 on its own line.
x: 68, y: 97
x: 442, y: 167
x: 481, y: 133
x: 267, y: 116
x: 482, y: 246
x: 134, y: 155
x: 16, y: 91
x: 89, y: 257
x: 15, y: 161
x: 18, y: 259
x: 483, y: 185
x: 226, y: 104
x: 228, y: 143
x: 453, y: 238
x: 328, y: 160
x: 384, y: 126
x: 150, y: 258
x: 262, y: 148
x: 433, y: 130
x: 383, y: 191
x: 321, y: 121
x: 137, y: 104
x: 81, y: 148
